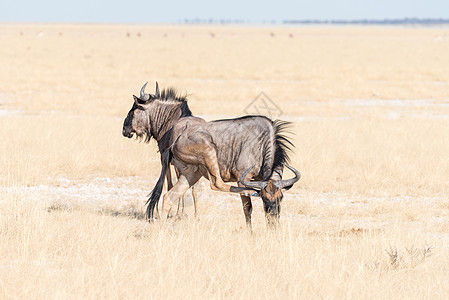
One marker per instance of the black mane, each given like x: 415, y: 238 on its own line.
x: 170, y: 94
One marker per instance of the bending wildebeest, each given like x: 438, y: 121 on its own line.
x: 234, y: 150
x: 163, y: 134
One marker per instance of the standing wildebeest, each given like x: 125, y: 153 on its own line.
x: 233, y: 150
x: 162, y: 134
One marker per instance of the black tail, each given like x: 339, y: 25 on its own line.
x: 156, y: 193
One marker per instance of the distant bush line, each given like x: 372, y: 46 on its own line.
x: 404, y: 21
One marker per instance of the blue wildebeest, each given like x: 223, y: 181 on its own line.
x: 137, y: 120
x: 250, y: 150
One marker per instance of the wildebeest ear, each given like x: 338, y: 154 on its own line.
x: 157, y: 94
x: 139, y: 101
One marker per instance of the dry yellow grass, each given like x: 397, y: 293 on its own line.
x: 369, y: 218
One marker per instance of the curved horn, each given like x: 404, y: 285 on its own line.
x: 144, y: 96
x: 158, y: 94
x: 252, y: 184
x: 289, y: 182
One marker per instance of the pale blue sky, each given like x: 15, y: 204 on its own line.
x: 171, y: 11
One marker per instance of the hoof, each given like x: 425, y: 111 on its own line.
x: 181, y: 216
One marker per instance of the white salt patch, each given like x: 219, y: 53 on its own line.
x: 4, y: 98
x: 4, y: 113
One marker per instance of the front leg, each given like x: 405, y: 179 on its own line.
x: 169, y: 185
x: 169, y: 179
x: 247, y: 209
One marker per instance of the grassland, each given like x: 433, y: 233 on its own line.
x: 369, y: 218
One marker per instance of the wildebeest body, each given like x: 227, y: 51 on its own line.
x: 250, y: 150
x: 239, y: 144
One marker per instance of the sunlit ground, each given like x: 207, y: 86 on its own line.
x: 368, y: 219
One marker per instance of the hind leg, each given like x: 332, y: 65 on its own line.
x: 180, y: 214
x: 216, y: 182
x: 198, y: 150
x: 181, y: 202
x: 185, y: 181
x: 195, y: 197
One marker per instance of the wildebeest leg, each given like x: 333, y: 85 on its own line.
x: 181, y: 202
x: 216, y: 182
x: 169, y: 183
x: 169, y: 179
x: 178, y: 214
x: 183, y: 184
x: 247, y: 208
x: 180, y: 211
x: 194, y: 196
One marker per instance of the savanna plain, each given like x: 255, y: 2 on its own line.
x: 369, y: 218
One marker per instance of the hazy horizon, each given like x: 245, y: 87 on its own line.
x: 137, y: 11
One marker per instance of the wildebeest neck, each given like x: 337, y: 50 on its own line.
x: 164, y: 115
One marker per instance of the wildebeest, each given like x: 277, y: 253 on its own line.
x: 138, y: 113
x: 251, y: 150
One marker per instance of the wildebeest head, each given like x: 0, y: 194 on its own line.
x: 271, y: 193
x: 138, y: 121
